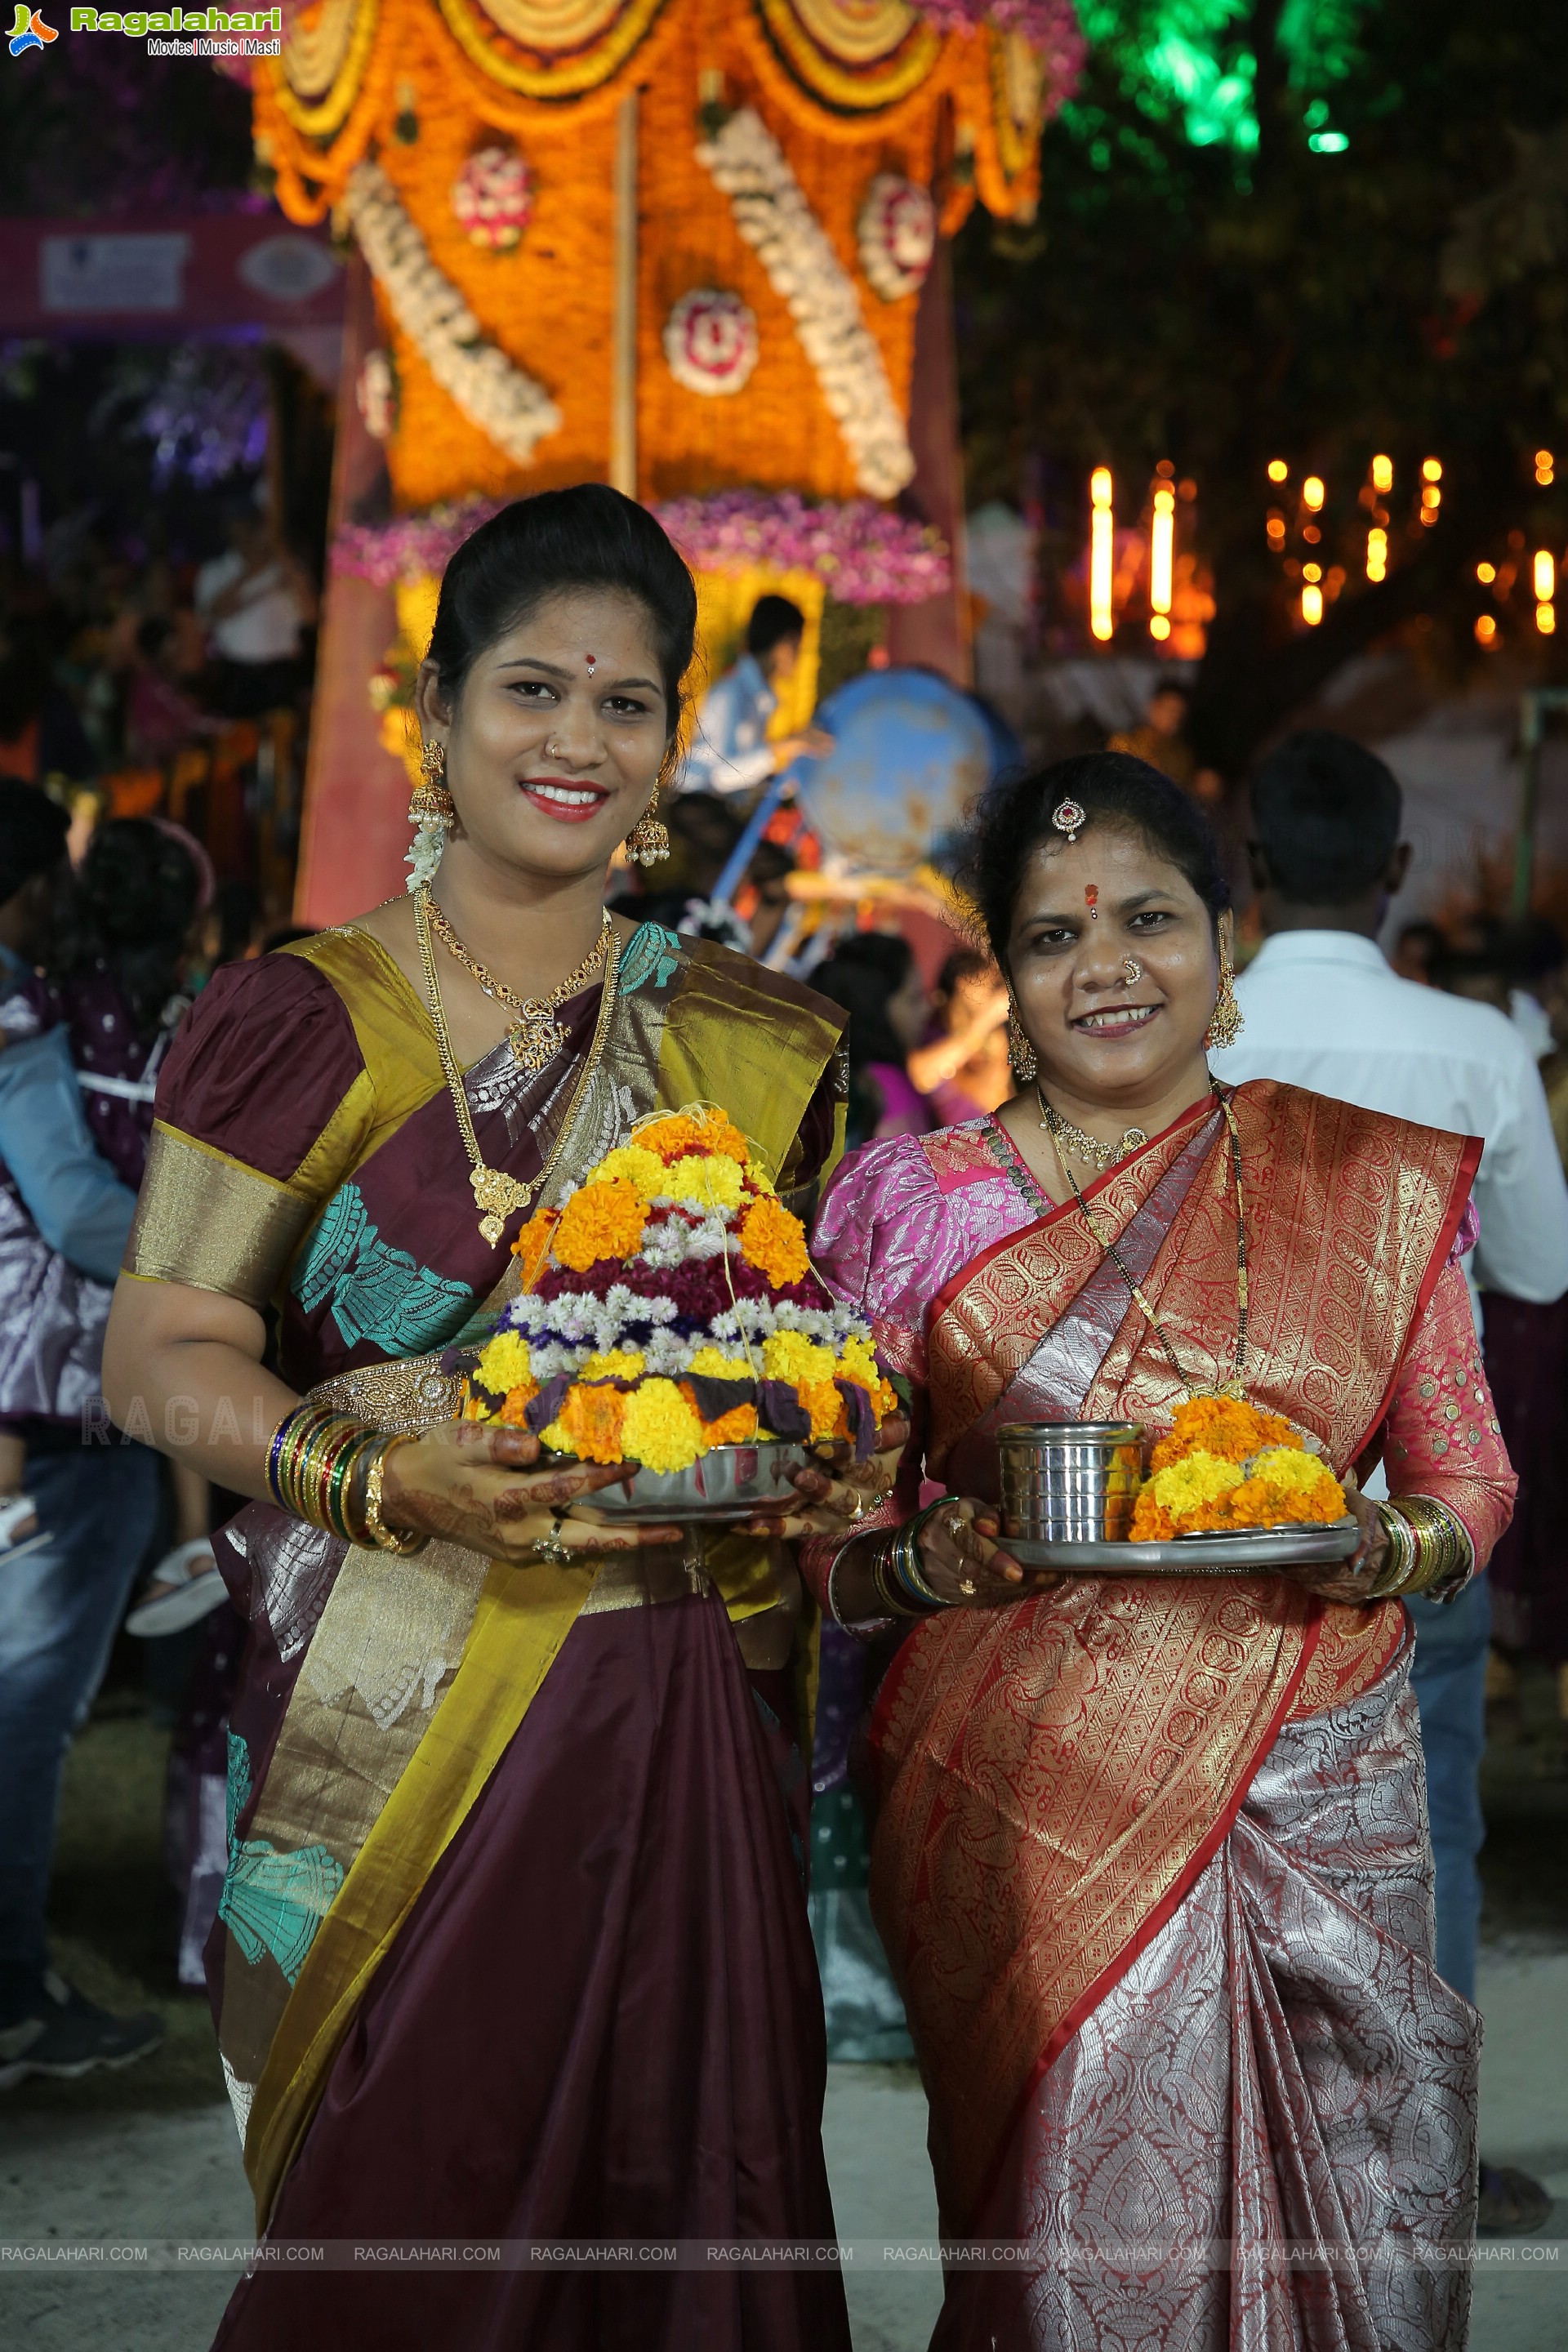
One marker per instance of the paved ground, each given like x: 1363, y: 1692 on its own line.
x: 152, y: 2152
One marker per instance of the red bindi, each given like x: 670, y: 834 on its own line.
x: 1091, y: 900
x: 592, y: 663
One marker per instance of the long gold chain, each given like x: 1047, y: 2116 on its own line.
x: 1062, y: 1132
x: 536, y: 1035
x: 1236, y: 1384
x: 497, y: 1195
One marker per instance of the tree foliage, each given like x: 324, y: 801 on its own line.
x: 1248, y: 297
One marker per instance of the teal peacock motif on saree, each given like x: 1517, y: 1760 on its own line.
x: 378, y: 1293
x: 651, y: 953
x: 276, y: 1902
x: 237, y: 1786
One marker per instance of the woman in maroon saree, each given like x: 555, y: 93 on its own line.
x: 513, y: 1942
x: 1150, y: 1859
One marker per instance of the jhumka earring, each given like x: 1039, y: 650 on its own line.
x: 1020, y: 1053
x: 1226, y: 1021
x: 648, y: 839
x: 431, y: 811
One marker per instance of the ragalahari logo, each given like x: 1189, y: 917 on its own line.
x: 30, y: 32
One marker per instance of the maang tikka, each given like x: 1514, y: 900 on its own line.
x: 431, y: 811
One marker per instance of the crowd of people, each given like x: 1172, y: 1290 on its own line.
x: 1210, y: 1881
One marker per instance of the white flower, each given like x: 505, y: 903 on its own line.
x: 479, y: 379
x: 711, y: 341
x: 772, y: 213
x: 897, y: 235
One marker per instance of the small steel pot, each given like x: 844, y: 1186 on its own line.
x: 1071, y: 1481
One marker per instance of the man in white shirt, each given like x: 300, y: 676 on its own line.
x: 731, y: 751
x: 1323, y: 1010
x: 254, y: 602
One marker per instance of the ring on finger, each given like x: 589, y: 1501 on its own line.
x: 968, y: 1587
x: 551, y: 1546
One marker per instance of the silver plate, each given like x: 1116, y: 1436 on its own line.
x: 732, y: 1482
x: 1251, y: 1553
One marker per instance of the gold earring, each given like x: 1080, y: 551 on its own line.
x: 432, y: 812
x: 1020, y: 1053
x: 1226, y: 1021
x: 648, y: 839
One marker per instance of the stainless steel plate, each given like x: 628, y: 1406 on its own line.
x: 732, y: 1482
x: 1253, y: 1552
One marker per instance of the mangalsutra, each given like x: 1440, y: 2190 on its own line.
x: 536, y: 1035
x: 1236, y: 1384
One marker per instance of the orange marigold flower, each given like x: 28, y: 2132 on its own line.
x: 1224, y: 1425
x: 775, y: 1242
x: 736, y: 1427
x: 696, y: 1130
x: 531, y: 1247
x: 1152, y: 1523
x: 829, y: 1414
x: 593, y: 1418
x: 515, y: 1412
x: 598, y: 1222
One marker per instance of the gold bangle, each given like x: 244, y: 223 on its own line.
x: 385, y: 1539
x: 1395, y: 1576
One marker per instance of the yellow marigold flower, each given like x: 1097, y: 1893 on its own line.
x: 775, y: 1242
x: 504, y: 1363
x: 592, y: 1420
x: 531, y: 1247
x: 709, y: 1182
x: 1191, y: 1485
x: 638, y: 1166
x: 615, y: 1364
x: 713, y: 1364
x: 661, y: 1430
x: 858, y: 1363
x: 757, y: 1177
x: 599, y: 1222
x: 791, y: 1356
x: 1286, y: 1486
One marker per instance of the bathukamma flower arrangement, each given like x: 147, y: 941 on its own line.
x: 1227, y: 1465
x: 668, y: 1306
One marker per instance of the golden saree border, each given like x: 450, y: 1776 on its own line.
x: 205, y: 1219
x: 386, y: 1796
x: 1055, y: 1776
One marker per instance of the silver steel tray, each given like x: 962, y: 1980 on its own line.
x: 1252, y: 1552
x: 732, y: 1482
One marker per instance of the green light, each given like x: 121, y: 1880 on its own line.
x: 1328, y: 143
x: 1188, y: 59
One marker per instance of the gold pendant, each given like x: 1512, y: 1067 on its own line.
x: 497, y: 1195
x: 536, y: 1037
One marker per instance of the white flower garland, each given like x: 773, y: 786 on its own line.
x: 897, y: 235
x: 773, y: 215
x: 478, y: 376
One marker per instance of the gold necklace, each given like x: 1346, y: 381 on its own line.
x: 497, y: 1195
x: 536, y: 1035
x: 1084, y: 1146
x: 1236, y: 1384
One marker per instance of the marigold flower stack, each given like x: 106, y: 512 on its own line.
x: 1227, y: 1465
x: 668, y: 1306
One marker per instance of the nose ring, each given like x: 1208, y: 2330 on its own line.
x: 553, y: 750
x: 1133, y: 969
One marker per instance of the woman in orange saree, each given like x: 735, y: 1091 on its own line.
x: 1150, y: 1860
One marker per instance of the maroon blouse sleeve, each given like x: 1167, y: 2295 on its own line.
x: 265, y: 1057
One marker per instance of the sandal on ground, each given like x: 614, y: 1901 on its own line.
x: 185, y: 1586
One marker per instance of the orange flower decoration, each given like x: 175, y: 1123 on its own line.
x: 531, y: 1247
x: 1226, y: 1426
x: 829, y: 1414
x: 598, y: 1222
x: 774, y: 1241
x: 736, y: 1427
x: 1152, y: 1522
x: 515, y: 1412
x: 592, y: 1417
x: 685, y: 1131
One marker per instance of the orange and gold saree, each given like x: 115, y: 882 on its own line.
x: 1151, y: 1861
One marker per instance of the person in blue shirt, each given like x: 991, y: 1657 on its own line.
x: 63, y: 1594
x: 731, y: 751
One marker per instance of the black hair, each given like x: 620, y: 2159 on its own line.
x: 1111, y: 788
x: 964, y: 963
x: 773, y: 620
x: 129, y: 908
x: 586, y: 537
x: 863, y: 971
x: 33, y: 830
x: 1325, y: 815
